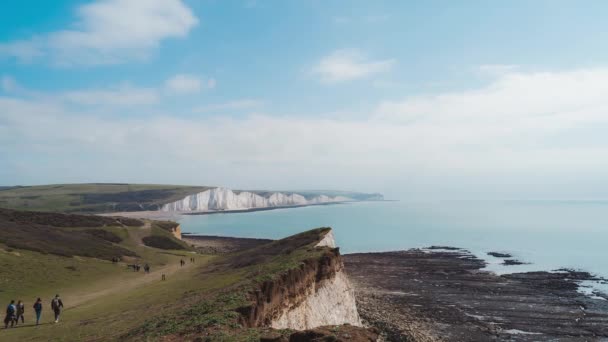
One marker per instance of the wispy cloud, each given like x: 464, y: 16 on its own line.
x: 517, y: 125
x: 496, y: 69
x: 231, y: 105
x: 8, y: 84
x: 188, y: 84
x: 107, y: 32
x: 349, y: 65
x: 123, y: 95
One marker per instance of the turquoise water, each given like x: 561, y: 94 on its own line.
x: 549, y: 234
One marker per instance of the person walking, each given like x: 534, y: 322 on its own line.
x: 10, y: 315
x: 20, y: 312
x: 38, y: 310
x: 57, y: 305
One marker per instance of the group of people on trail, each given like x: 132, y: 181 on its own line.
x: 16, y: 312
x: 182, y: 262
x: 137, y: 267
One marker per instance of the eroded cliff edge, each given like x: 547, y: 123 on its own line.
x: 317, y: 293
x: 275, y: 289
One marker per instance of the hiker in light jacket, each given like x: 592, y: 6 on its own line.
x: 10, y: 314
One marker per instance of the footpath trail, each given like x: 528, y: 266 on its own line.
x: 137, y: 234
x: 121, y: 284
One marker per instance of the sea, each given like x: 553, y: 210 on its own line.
x: 547, y: 235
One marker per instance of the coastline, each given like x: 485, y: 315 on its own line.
x: 439, y: 294
x: 174, y: 215
x: 446, y: 293
x: 248, y: 210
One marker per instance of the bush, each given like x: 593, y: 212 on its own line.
x: 161, y: 242
x: 104, y: 234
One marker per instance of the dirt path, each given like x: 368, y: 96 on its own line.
x: 120, y: 283
x: 138, y: 233
x: 111, y: 286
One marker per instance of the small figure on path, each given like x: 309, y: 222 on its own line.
x: 147, y: 268
x: 10, y: 315
x: 182, y: 262
x: 38, y: 310
x: 163, y: 277
x: 20, y: 312
x: 57, y: 305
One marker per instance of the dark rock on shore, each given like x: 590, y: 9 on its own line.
x: 444, y: 296
x: 500, y: 255
x: 337, y: 333
x: 447, y: 248
x: 513, y: 262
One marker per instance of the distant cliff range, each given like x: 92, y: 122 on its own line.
x: 220, y: 198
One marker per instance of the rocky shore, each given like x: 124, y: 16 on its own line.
x: 441, y: 295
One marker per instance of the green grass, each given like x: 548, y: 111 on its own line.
x: 107, y: 302
x: 65, y: 235
x: 93, y: 198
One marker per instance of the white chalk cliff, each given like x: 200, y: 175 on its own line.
x: 331, y: 302
x: 226, y: 199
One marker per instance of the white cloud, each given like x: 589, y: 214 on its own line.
x: 231, y: 105
x: 348, y: 65
x: 523, y: 128
x: 183, y: 84
x: 514, y: 98
x: 123, y: 95
x: 9, y: 84
x: 496, y: 69
x: 108, y: 31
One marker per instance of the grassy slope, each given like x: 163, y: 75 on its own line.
x: 93, y: 198
x: 64, y: 234
x: 202, y: 295
x: 93, y: 290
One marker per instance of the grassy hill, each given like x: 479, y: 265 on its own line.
x: 211, y: 299
x: 93, y: 198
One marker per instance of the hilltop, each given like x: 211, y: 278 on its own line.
x: 94, y: 197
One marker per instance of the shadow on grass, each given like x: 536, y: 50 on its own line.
x: 27, y: 325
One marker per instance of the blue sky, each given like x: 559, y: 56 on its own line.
x: 443, y: 99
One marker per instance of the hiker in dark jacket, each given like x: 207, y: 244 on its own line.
x: 38, y: 310
x: 20, y: 312
x: 56, y: 305
x: 10, y: 314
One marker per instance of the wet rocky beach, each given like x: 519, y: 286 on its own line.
x: 442, y: 295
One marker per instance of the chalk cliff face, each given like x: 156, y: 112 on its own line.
x: 226, y: 199
x: 318, y: 293
x: 331, y: 301
x: 177, y: 232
